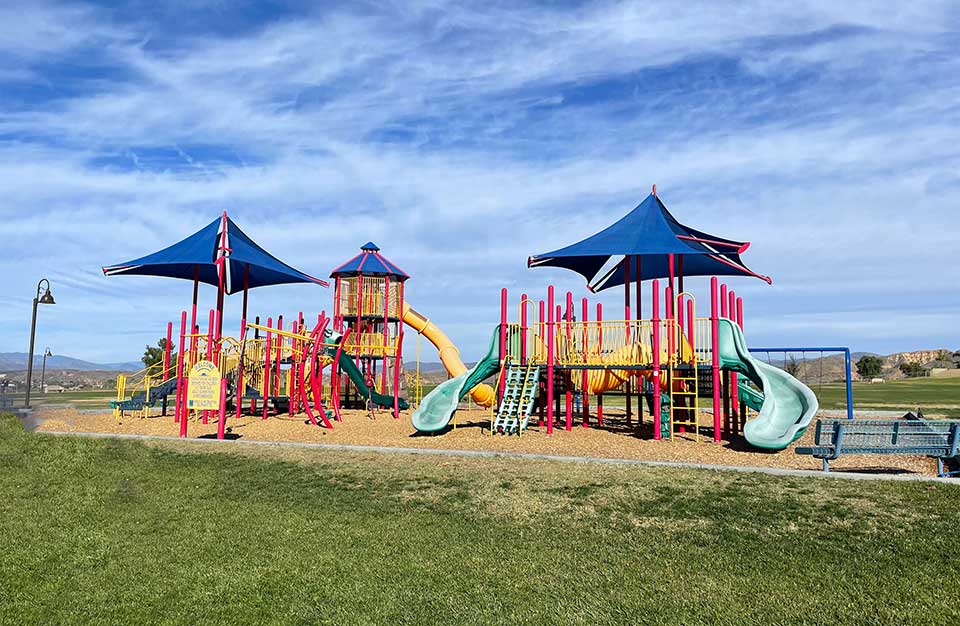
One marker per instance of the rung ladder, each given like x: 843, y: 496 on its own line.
x: 519, y: 393
x: 683, y: 400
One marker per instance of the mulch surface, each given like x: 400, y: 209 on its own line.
x: 614, y: 439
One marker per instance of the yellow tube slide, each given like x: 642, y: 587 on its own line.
x: 482, y: 394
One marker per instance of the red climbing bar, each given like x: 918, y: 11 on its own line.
x: 550, y: 355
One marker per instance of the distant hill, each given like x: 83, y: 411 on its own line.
x: 17, y: 361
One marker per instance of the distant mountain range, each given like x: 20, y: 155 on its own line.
x: 17, y: 361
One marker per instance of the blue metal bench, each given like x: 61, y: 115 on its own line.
x: 939, y: 439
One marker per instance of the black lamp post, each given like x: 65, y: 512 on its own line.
x: 46, y: 298
x: 43, y: 370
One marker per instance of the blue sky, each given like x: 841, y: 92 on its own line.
x: 463, y: 137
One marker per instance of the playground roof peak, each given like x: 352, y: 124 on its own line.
x: 200, y: 256
x: 651, y: 234
x: 370, y: 263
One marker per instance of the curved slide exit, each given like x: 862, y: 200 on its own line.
x: 449, y: 354
x: 787, y: 406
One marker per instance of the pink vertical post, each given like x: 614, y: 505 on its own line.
x: 278, y: 372
x: 523, y: 328
x: 209, y: 356
x: 734, y: 378
x: 568, y: 425
x: 668, y: 317
x: 386, y: 333
x: 222, y: 418
x: 600, y: 351
x: 503, y: 341
x: 740, y: 312
x: 180, y: 410
x: 550, y: 356
x: 655, y: 379
x: 715, y: 356
x: 638, y: 284
x: 726, y: 375
x: 542, y: 334
x: 399, y: 360
x: 691, y: 327
x: 166, y: 351
x: 584, y: 396
x: 627, y: 316
x: 268, y: 358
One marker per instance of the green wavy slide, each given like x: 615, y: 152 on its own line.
x: 786, y: 406
x: 437, y: 407
x: 348, y: 367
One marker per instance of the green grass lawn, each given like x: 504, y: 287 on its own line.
x: 94, y: 399
x: 934, y: 395
x: 118, y: 532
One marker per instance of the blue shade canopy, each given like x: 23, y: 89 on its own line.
x: 245, y: 264
x: 370, y: 263
x: 649, y: 233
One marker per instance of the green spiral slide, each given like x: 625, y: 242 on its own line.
x: 437, y: 407
x: 786, y: 406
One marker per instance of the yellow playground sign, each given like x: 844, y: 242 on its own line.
x: 203, y: 386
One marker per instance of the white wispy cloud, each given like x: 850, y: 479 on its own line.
x: 464, y: 138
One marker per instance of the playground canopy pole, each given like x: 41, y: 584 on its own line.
x: 637, y: 287
x: 627, y: 316
x: 550, y: 347
x: 655, y: 303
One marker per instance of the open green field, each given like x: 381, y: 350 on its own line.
x: 118, y: 532
x: 933, y: 395
x: 98, y: 399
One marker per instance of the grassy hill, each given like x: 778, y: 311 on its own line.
x: 933, y: 395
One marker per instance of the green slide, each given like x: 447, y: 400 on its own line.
x: 348, y: 367
x: 786, y: 407
x: 748, y: 395
x: 437, y: 408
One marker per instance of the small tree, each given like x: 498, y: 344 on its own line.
x: 792, y: 367
x: 153, y: 355
x: 869, y: 366
x: 912, y: 369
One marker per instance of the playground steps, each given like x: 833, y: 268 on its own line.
x: 520, y: 386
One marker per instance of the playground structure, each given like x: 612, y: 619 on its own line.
x: 670, y: 360
x: 546, y: 362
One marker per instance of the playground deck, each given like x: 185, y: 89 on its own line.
x: 614, y: 440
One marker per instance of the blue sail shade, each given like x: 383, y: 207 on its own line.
x: 649, y: 232
x: 245, y: 263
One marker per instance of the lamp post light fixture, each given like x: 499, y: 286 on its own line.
x: 46, y: 298
x: 43, y: 370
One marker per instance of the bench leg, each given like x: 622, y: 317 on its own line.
x: 826, y: 465
x: 940, y: 467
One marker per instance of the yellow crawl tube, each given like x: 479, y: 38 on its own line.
x: 482, y: 394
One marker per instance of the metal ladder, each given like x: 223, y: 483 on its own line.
x: 520, y: 386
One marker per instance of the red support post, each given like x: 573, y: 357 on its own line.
x: 523, y: 328
x: 734, y: 378
x: 542, y: 334
x: 550, y: 356
x: 600, y: 351
x: 627, y: 316
x: 715, y: 356
x: 503, y: 342
x: 568, y: 423
x: 222, y: 417
x: 166, y: 351
x: 209, y: 355
x: 638, y: 280
x: 277, y: 370
x: 179, y: 411
x: 584, y: 395
x: 655, y: 379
